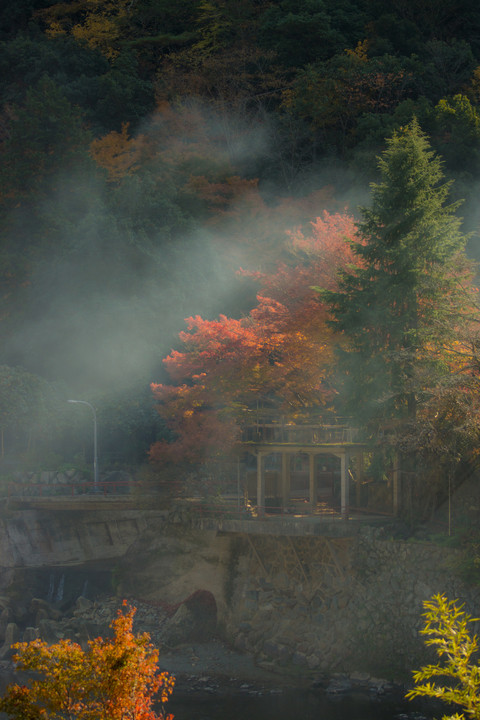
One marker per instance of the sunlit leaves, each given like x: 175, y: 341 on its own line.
x: 455, y: 678
x: 116, y: 678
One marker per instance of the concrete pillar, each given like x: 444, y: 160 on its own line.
x: 285, y: 479
x: 260, y: 484
x: 312, y: 482
x: 344, y: 484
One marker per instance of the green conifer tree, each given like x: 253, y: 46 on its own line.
x: 401, y: 305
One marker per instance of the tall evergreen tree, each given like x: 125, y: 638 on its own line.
x: 400, y: 307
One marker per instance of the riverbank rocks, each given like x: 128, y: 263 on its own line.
x: 192, y: 620
x: 42, y: 610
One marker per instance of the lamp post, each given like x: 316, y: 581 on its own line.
x: 95, y: 458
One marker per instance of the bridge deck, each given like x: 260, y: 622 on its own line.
x: 226, y: 517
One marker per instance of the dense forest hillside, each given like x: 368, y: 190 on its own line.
x: 150, y: 149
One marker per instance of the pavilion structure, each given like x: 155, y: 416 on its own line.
x: 290, y: 441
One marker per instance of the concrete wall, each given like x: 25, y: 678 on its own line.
x: 36, y: 538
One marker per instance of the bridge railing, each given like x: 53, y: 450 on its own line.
x: 279, y: 433
x: 102, y: 488
x: 121, y: 487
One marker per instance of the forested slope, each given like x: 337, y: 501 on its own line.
x: 149, y: 149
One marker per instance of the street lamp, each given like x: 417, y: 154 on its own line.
x: 95, y: 459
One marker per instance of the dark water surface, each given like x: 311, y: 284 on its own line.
x: 293, y: 704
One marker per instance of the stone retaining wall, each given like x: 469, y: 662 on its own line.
x: 313, y: 604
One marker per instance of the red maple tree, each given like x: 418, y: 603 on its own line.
x: 281, y: 351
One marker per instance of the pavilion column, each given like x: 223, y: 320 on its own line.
x: 260, y: 483
x: 396, y: 486
x: 285, y: 479
x: 344, y: 484
x: 358, y: 479
x: 312, y: 482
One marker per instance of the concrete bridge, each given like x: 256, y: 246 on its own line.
x: 284, y: 469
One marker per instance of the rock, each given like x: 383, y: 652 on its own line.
x: 379, y: 686
x: 299, y: 659
x: 82, y: 604
x: 267, y: 665
x: 271, y: 648
x: 360, y: 678
x: 6, y: 616
x: 339, y: 685
x: 12, y: 635
x: 180, y: 628
x: 37, y: 604
x: 194, y: 619
x: 50, y: 631
x: 85, y: 631
x: 40, y: 615
x: 29, y: 634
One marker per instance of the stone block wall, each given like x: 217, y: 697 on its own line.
x: 326, y: 605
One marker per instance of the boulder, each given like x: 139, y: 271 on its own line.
x: 82, y: 631
x: 6, y: 616
x: 37, y: 604
x: 194, y: 620
x: 50, y: 631
x: 12, y: 635
x: 29, y: 634
x: 82, y: 605
x: 40, y: 615
x: 180, y: 628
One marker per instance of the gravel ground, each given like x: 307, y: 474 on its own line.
x: 213, y: 665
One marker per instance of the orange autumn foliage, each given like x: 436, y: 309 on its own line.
x: 98, y: 23
x: 115, y: 679
x: 181, y: 148
x: 118, y: 153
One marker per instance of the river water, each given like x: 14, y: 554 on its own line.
x: 294, y: 704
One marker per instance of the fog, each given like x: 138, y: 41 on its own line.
x: 121, y: 265
x: 121, y: 268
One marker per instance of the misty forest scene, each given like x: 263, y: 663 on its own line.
x: 239, y: 359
